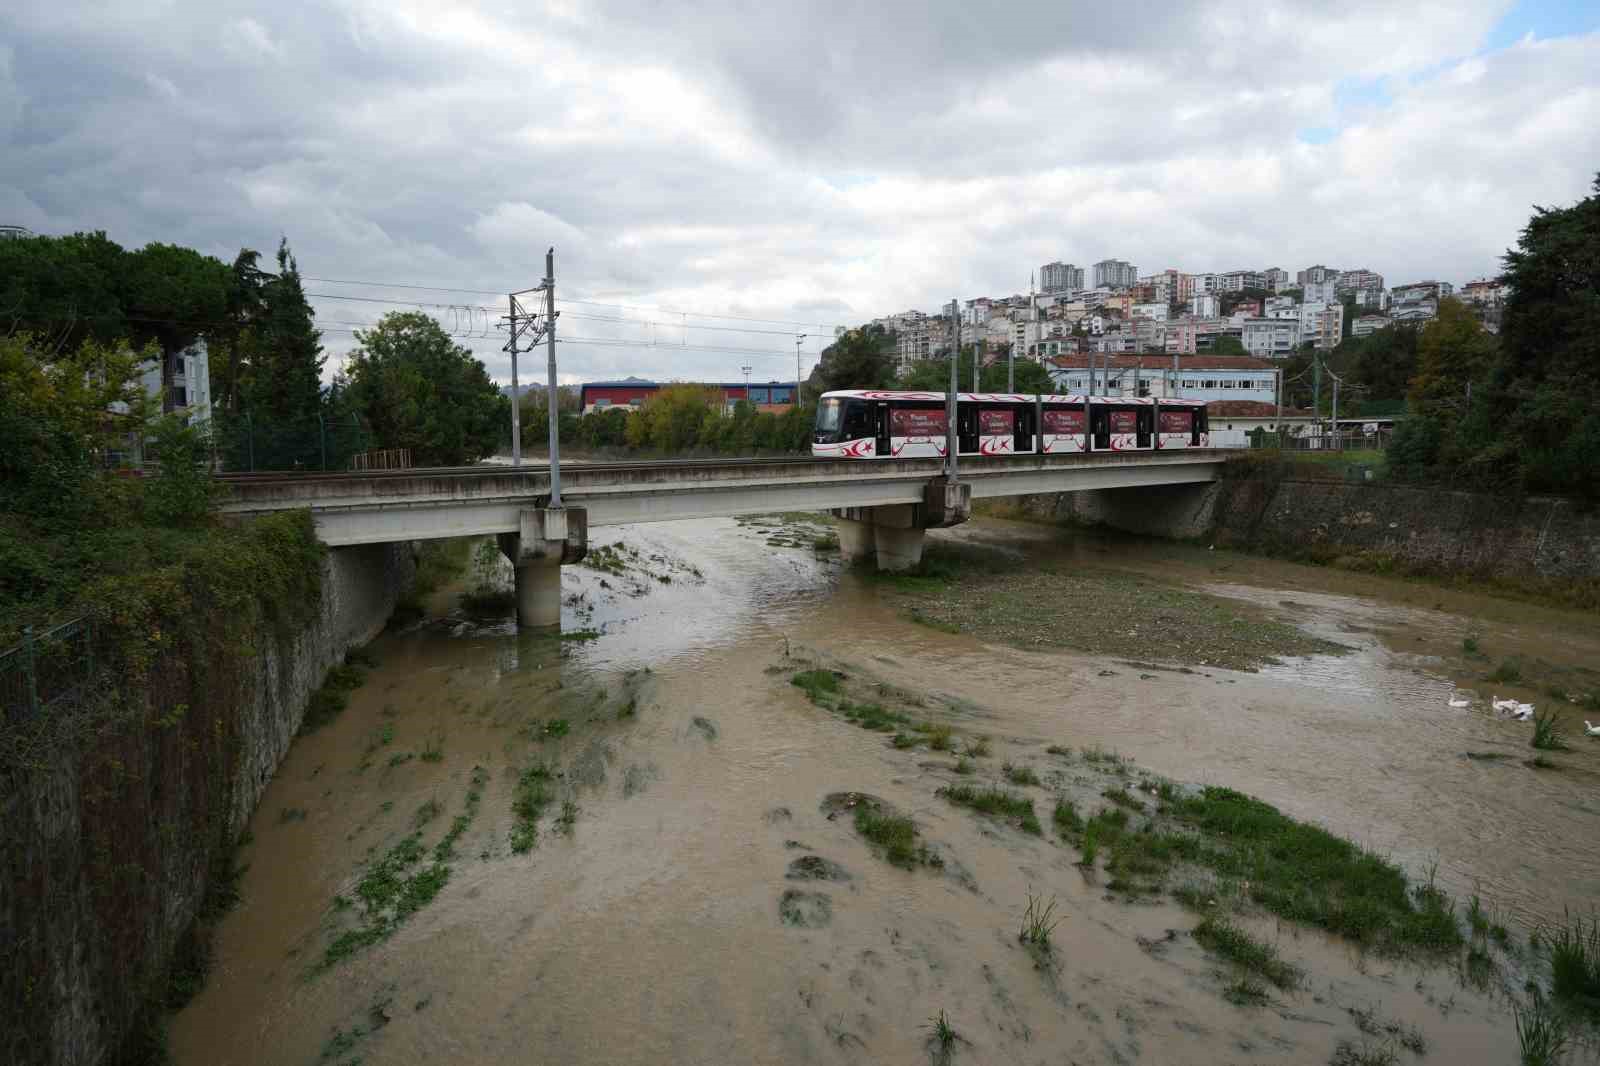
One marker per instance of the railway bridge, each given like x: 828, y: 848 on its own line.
x: 883, y: 507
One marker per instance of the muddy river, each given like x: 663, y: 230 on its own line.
x: 628, y: 846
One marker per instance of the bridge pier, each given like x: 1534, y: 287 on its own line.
x: 894, y: 533
x: 545, y: 539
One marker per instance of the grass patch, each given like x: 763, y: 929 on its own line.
x: 905, y: 740
x: 817, y: 684
x: 528, y: 803
x: 1348, y: 1054
x: 555, y: 727
x: 1548, y: 734
x: 331, y: 697
x: 896, y: 835
x: 445, y: 849
x: 1220, y: 935
x: 996, y: 802
x: 1038, y: 922
x: 939, y: 737
x: 1575, y: 964
x: 978, y: 747
x: 1066, y: 818
x: 826, y: 542
x: 393, y: 888
x: 1542, y: 1032
x: 872, y: 716
x: 1058, y: 749
x: 944, y: 1033
x: 1509, y: 672
x: 433, y: 748
x: 965, y: 766
x: 581, y: 634
x: 1469, y: 644
x: 1019, y: 775
x: 1123, y: 798
x: 1246, y: 990
x: 426, y: 813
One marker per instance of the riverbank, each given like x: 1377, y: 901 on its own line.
x: 645, y: 844
x: 1546, y: 549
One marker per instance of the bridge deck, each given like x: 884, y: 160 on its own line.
x: 376, y: 506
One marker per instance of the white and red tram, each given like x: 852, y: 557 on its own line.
x: 873, y: 424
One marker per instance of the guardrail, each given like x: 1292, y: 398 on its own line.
x: 47, y: 668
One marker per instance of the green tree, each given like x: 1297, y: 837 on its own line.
x: 1546, y: 391
x: 861, y: 359
x: 671, y: 420
x: 933, y: 375
x: 1227, y: 344
x: 285, y: 383
x: 173, y: 296
x: 417, y: 389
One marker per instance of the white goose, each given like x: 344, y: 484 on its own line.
x: 1459, y: 703
x: 1592, y: 730
x: 1523, y: 713
x: 1503, y: 706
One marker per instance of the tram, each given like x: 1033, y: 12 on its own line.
x: 873, y: 424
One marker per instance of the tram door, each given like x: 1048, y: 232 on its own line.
x: 1023, y: 431
x: 1144, y: 425
x: 1100, y: 426
x: 966, y: 428
x: 880, y: 423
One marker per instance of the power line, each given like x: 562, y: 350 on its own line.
x: 567, y: 299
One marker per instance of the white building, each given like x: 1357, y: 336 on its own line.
x: 1320, y: 292
x: 1239, y: 280
x: 1197, y: 377
x: 1322, y: 324
x: 1374, y: 299
x: 1277, y: 278
x: 1419, y: 310
x: 1421, y: 290
x: 190, y: 391
x: 1204, y: 306
x: 1353, y: 281
x: 1484, y: 292
x: 1367, y: 325
x: 1270, y: 338
x: 1156, y: 312
x: 1315, y: 274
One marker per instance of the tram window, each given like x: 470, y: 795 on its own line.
x: 828, y: 415
x: 855, y: 420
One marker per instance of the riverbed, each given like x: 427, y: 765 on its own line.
x: 625, y: 810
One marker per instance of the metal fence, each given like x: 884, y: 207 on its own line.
x: 382, y: 459
x: 48, y: 668
x: 316, y: 443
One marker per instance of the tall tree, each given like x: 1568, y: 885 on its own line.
x: 861, y: 359
x: 173, y: 296
x: 286, y: 372
x: 417, y: 389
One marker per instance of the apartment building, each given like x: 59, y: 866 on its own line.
x: 1421, y: 290
x: 1484, y: 292
x: 1060, y: 277
x: 1156, y: 312
x: 1277, y: 278
x: 1270, y: 338
x: 1239, y: 280
x: 1315, y: 275
x: 1115, y: 274
x: 1320, y: 292
x: 1367, y: 325
x: 1204, y: 306
x: 1353, y: 281
x: 1322, y: 324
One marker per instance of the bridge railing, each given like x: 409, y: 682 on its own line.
x: 48, y: 668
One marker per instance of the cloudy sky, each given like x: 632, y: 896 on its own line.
x: 807, y: 165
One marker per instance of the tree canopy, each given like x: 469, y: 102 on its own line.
x: 418, y: 389
x: 933, y: 375
x: 861, y: 359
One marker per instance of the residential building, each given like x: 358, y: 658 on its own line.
x: 1275, y: 307
x: 1156, y: 312
x: 1418, y: 310
x: 1205, y: 284
x: 1319, y: 292
x: 1421, y: 290
x: 1483, y: 292
x: 188, y: 392
x: 976, y: 312
x: 1322, y: 324
x: 1211, y: 378
x: 1277, y: 278
x: 14, y: 233
x: 1353, y: 281
x: 1375, y: 299
x: 1232, y: 421
x: 1204, y: 306
x: 631, y: 393
x: 1270, y: 338
x: 1151, y: 334
x: 1092, y: 298
x: 1180, y: 286
x: 1367, y: 325
x: 1247, y: 309
x: 1060, y: 277
x: 1239, y: 280
x: 1315, y: 275
x: 1115, y: 274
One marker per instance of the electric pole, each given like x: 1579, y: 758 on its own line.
x: 553, y: 397
x: 798, y: 337
x: 520, y: 323
x: 950, y: 406
x: 747, y: 370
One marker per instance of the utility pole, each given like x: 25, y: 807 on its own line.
x: 798, y: 337
x: 520, y: 323
x: 974, y: 358
x: 747, y: 370
x: 553, y: 397
x: 950, y: 404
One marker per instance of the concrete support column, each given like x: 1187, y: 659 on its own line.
x: 855, y: 539
x: 545, y: 539
x: 898, y: 549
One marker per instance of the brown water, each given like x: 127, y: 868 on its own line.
x: 651, y: 933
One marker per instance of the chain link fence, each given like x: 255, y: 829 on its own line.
x: 245, y: 444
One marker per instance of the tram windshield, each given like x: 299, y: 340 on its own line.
x: 829, y: 412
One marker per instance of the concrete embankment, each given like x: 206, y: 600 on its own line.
x: 117, y: 841
x: 1546, y: 546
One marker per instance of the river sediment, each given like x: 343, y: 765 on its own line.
x: 697, y: 884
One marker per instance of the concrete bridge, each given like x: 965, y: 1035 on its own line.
x: 883, y: 507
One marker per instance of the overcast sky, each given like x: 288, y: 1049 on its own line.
x: 818, y: 163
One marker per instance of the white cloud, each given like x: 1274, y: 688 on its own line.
x: 818, y: 163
